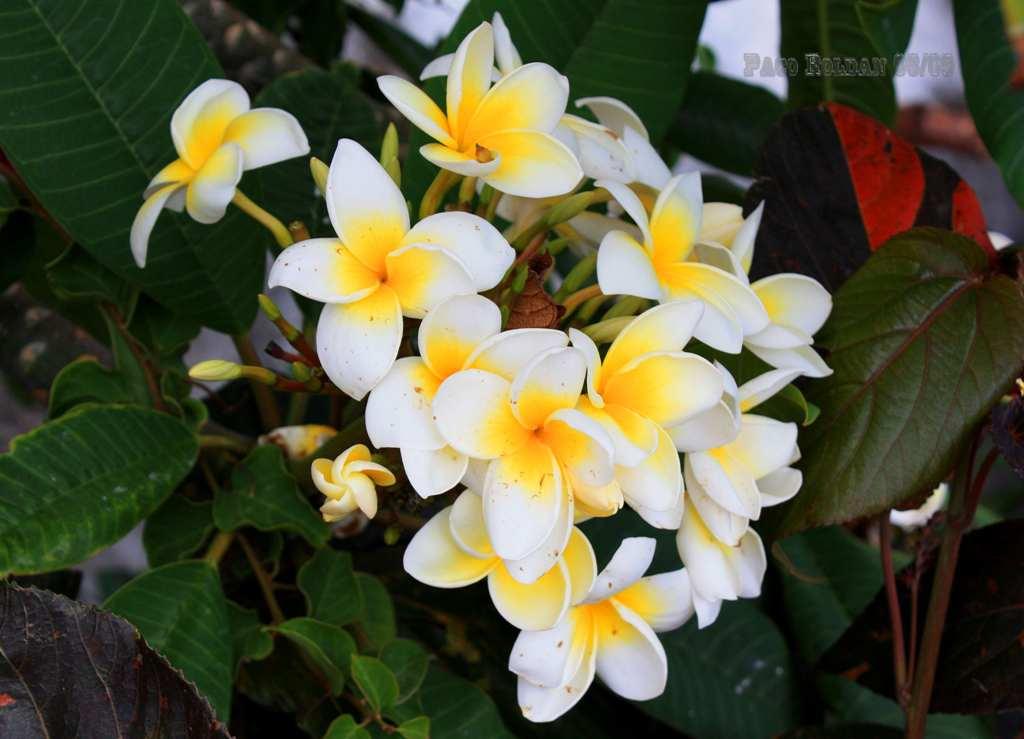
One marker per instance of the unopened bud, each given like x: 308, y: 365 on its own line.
x: 213, y: 370
x: 319, y: 171
x: 391, y: 535
x: 301, y: 372
x: 389, y: 146
x: 269, y: 307
x: 258, y: 374
x: 571, y: 207
x: 606, y: 330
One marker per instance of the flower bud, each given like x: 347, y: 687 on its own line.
x: 215, y: 369
x: 319, y: 171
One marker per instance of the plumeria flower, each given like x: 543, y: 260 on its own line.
x: 298, y: 441
x: 797, y: 305
x: 660, y: 266
x: 463, y: 332
x: 217, y: 137
x: 349, y: 482
x: 540, y: 451
x: 611, y: 633
x: 453, y: 550
x: 506, y: 55
x: 378, y: 269
x: 645, y: 384
x: 500, y: 134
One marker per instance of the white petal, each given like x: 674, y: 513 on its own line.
x: 675, y: 219
x: 433, y: 472
x: 630, y: 658
x: 795, y: 301
x: 630, y: 202
x: 648, y: 166
x: 550, y: 382
x: 592, y: 356
x: 707, y: 610
x: 593, y: 227
x: 624, y: 268
x: 476, y: 473
x: 657, y: 482
x: 267, y: 136
x: 663, y: 328
x: 764, y: 444
x: 669, y: 520
x: 600, y: 152
x: 802, y: 358
x: 751, y: 565
x: 666, y: 387
x: 323, y: 270
x: 145, y: 219
x: 531, y: 97
x: 451, y: 331
x: 718, y: 256
x: 399, y: 411
x: 719, y: 223
x: 725, y: 525
x: 435, y: 68
x: 358, y: 342
x: 582, y: 448
x: 455, y: 161
x: 467, y: 526
x: 759, y: 389
x: 664, y: 601
x: 423, y: 276
x: 743, y: 242
x: 508, y: 352
x: 627, y: 565
x: 779, y: 486
x: 614, y: 114
x: 416, y: 105
x: 549, y: 658
x: 504, y: 50
x: 532, y: 164
x: 547, y: 704
x: 198, y: 124
x: 711, y: 564
x: 535, y: 606
x: 476, y: 243
x: 535, y: 564
x: 472, y: 412
x: 581, y: 564
x: 469, y: 77
x: 711, y: 429
x: 434, y: 558
x: 213, y: 187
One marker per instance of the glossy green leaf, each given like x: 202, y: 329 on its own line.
x: 923, y: 341
x: 264, y: 495
x: 346, y: 727
x: 330, y: 647
x: 888, y: 23
x: 250, y: 641
x: 166, y: 332
x: 458, y: 709
x: 988, y: 61
x: 78, y: 484
x: 76, y: 276
x: 89, y: 126
x: 415, y: 728
x: 733, y: 678
x: 176, y: 529
x: 329, y: 584
x: 375, y: 681
x: 378, y: 617
x: 181, y: 611
x: 408, y: 661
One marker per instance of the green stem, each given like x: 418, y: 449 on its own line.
x: 213, y: 441
x: 443, y: 182
x: 270, y: 415
x: 265, y: 583
x: 280, y: 232
x: 219, y: 547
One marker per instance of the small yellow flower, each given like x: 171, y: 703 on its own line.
x: 349, y: 482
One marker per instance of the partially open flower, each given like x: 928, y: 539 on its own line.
x: 349, y: 482
x: 217, y: 137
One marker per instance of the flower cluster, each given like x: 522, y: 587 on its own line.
x: 539, y: 429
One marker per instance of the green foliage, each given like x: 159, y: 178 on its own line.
x: 377, y: 620
x: 264, y: 495
x: 80, y: 483
x: 345, y: 727
x: 332, y: 593
x: 375, y: 681
x: 408, y: 661
x: 249, y: 640
x: 329, y: 647
x: 176, y: 529
x: 181, y: 611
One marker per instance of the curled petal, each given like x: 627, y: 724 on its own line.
x: 213, y: 186
x: 507, y: 353
x: 802, y: 358
x: 267, y: 136
x: 435, y: 68
x: 627, y: 566
x: 199, y: 123
x: 592, y: 357
x: 726, y: 526
x: 434, y: 558
x: 719, y: 223
x: 614, y: 114
x: 323, y: 270
x: 175, y: 173
x: 663, y: 601
x: 432, y: 472
x: 473, y: 241
x: 675, y: 220
x: 581, y: 446
x: 794, y: 301
x: 467, y: 525
x: 630, y: 202
x: 663, y: 328
x: 550, y: 657
x: 630, y: 658
x: 764, y: 444
x: 533, y: 607
x: 625, y: 268
x: 416, y: 105
x: 725, y: 481
x: 743, y: 242
x: 713, y: 428
x: 759, y: 389
x: 581, y: 563
x: 657, y: 482
x: 504, y: 50
x: 145, y: 220
x: 547, y: 704
x: 779, y: 486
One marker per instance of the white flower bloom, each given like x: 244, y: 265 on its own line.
x: 454, y: 550
x: 217, y: 137
x: 610, y: 634
x: 660, y: 266
x: 378, y: 269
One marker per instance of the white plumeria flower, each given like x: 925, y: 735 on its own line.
x: 454, y: 550
x: 505, y: 53
x: 379, y: 269
x: 646, y: 384
x: 611, y: 634
x: 500, y: 134
x: 298, y: 441
x: 349, y: 482
x: 217, y: 137
x: 660, y: 266
x: 461, y: 333
x: 540, y: 451
x: 797, y: 305
x: 643, y: 164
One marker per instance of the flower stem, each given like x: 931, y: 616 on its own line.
x: 266, y: 586
x: 443, y: 182
x: 281, y: 234
x: 216, y: 441
x: 270, y: 415
x: 219, y: 547
x: 579, y: 297
x: 899, y: 652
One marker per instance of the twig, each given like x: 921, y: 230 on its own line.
x: 148, y: 372
x: 265, y: 583
x: 579, y: 297
x: 899, y: 654
x: 219, y: 547
x: 270, y: 414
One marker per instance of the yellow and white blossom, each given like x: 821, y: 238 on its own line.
x: 349, y: 482
x: 378, y: 269
x: 501, y: 134
x: 661, y: 267
x: 611, y: 633
x: 506, y: 56
x: 298, y: 441
x: 645, y: 384
x: 217, y: 137
x: 540, y: 452
x: 454, y: 550
x: 461, y: 333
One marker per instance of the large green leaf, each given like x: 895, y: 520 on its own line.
x: 330, y: 648
x: 332, y: 593
x: 458, y: 709
x: 176, y: 529
x: 69, y: 669
x: 988, y: 61
x: 87, y: 93
x: 923, y: 340
x: 734, y: 678
x: 408, y: 661
x: 831, y: 31
x: 181, y: 611
x: 78, y: 484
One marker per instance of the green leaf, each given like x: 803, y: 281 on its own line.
x: 789, y: 404
x: 166, y: 332
x: 888, y: 23
x: 264, y: 495
x: 250, y: 641
x: 8, y: 200
x: 87, y: 381
x: 831, y: 30
x: 724, y: 121
x: 458, y: 709
x: 345, y: 727
x: 988, y: 61
x: 78, y: 484
x: 181, y: 611
x: 375, y: 681
x: 733, y: 678
x: 76, y: 276
x: 923, y: 337
x: 378, y: 618
x: 82, y: 672
x: 836, y: 576
x: 330, y: 647
x: 89, y: 127
x: 329, y: 584
x: 415, y: 728
x: 175, y: 530
x: 408, y: 661
x: 329, y: 106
